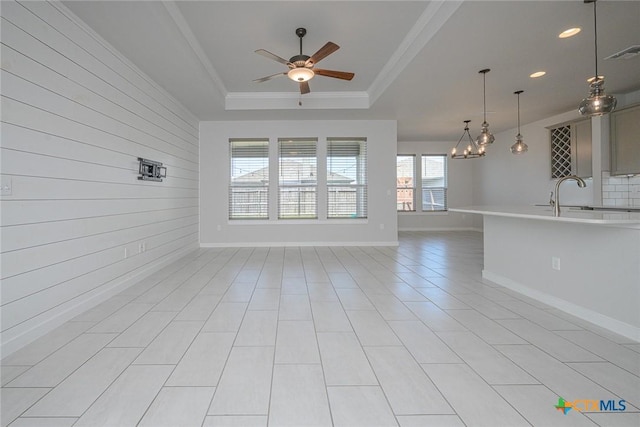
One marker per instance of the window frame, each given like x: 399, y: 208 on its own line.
x: 344, y: 147
x: 262, y: 189
x: 443, y: 188
x: 411, y: 187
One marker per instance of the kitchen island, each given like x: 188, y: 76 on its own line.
x: 584, y: 262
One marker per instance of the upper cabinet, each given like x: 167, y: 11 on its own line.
x: 625, y: 141
x: 571, y: 149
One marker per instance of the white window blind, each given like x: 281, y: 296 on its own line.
x: 298, y: 178
x: 346, y: 178
x: 249, y: 180
x: 434, y: 182
x: 405, y: 181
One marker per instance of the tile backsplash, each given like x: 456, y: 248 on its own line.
x: 620, y: 190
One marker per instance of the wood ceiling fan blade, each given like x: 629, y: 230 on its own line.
x: 304, y: 88
x: 264, y: 79
x: 324, y: 51
x: 344, y: 75
x: 273, y: 56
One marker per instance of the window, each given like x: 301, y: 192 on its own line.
x: 249, y: 181
x: 346, y: 178
x: 434, y: 182
x: 405, y: 181
x: 297, y: 192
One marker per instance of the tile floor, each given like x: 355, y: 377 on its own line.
x: 320, y: 336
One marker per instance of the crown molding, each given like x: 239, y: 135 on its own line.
x: 290, y: 101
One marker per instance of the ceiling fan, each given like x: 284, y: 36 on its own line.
x: 301, y: 67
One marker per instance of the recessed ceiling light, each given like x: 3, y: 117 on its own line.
x: 538, y: 74
x: 569, y: 33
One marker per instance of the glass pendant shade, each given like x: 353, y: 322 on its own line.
x: 485, y: 137
x: 597, y: 103
x: 471, y: 149
x: 519, y: 147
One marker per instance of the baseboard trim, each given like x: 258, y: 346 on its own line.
x: 24, y: 338
x: 440, y: 229
x: 293, y: 244
x: 614, y: 325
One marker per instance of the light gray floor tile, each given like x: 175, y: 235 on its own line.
x: 79, y: 390
x: 329, y: 316
x: 430, y: 420
x: 360, y: 406
x: 342, y: 280
x: 614, y: 353
x: 443, y: 299
x: 423, y: 344
x: 557, y: 376
x: 321, y: 292
x: 613, y: 378
x: 126, y: 400
x: 178, y: 406
x: 461, y: 386
x: 539, y: 316
x: 204, y: 361
x: 176, y: 300
x: 486, y: 307
x: 294, y: 285
x: 371, y: 328
x: 9, y: 373
x: 170, y: 345
x: 634, y: 347
x: 298, y: 397
x: 487, y: 329
x: 245, y: 385
x: 200, y: 307
x: 265, y: 299
x: 63, y: 362
x: 122, y: 319
x: 235, y: 421
x: 296, y: 342
x: 489, y: 363
x: 433, y: 317
x: 43, y: 422
x: 239, y: 292
x: 343, y: 360
x: 226, y: 317
x: 406, y: 293
x: 354, y: 299
x: 391, y: 308
x: 144, y: 330
x: 530, y: 400
x: 14, y: 401
x: 104, y: 309
x: 258, y: 329
x: 548, y: 341
x: 622, y: 419
x: 47, y: 344
x: 295, y: 307
x: 405, y: 384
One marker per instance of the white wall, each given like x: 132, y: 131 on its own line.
x: 76, y: 115
x: 380, y: 228
x: 459, y: 190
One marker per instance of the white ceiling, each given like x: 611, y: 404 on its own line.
x: 414, y: 61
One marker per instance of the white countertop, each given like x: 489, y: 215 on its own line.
x: 567, y: 214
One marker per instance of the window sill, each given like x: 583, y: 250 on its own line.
x: 423, y: 213
x: 306, y: 222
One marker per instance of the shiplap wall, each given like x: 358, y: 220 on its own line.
x: 76, y: 115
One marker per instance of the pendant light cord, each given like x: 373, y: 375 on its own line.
x: 484, y: 96
x: 595, y: 37
x: 518, y: 114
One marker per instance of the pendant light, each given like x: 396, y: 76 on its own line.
x: 597, y: 103
x: 471, y: 151
x: 519, y: 147
x: 485, y: 138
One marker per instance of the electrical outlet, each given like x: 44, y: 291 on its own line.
x: 140, y: 248
x: 126, y: 253
x: 555, y: 263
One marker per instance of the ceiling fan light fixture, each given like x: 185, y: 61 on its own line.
x: 301, y: 74
x: 597, y: 103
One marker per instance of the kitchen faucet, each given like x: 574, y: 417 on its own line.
x: 556, y: 202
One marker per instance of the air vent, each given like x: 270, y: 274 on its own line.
x: 627, y: 53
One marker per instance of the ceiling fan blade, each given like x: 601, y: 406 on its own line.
x: 304, y: 88
x: 264, y: 79
x: 276, y: 58
x: 335, y: 74
x: 324, y: 51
